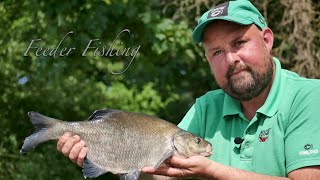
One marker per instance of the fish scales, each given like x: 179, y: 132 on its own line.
x: 120, y: 142
x: 131, y: 150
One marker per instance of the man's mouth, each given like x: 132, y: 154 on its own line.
x: 238, y: 71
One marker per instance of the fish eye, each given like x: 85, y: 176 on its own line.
x: 197, y: 140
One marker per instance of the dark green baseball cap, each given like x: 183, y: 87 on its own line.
x: 241, y: 12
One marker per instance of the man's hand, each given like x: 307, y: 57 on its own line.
x: 204, y: 168
x: 72, y: 147
x: 195, y: 166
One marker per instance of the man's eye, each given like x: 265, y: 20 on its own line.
x: 239, y: 43
x: 217, y: 53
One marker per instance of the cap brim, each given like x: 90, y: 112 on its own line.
x: 198, y: 31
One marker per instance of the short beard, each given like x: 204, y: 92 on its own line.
x: 247, y: 91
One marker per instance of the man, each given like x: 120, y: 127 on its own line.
x: 264, y: 122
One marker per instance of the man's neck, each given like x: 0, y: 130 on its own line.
x: 249, y: 108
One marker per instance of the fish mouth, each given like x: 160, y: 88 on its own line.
x: 208, y: 151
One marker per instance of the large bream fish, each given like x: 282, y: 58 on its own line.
x: 120, y: 142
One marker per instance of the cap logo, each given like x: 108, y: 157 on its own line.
x: 261, y: 20
x: 220, y: 10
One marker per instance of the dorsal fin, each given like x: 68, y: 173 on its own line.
x: 98, y: 114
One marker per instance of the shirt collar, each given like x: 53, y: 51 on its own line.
x: 232, y: 106
x: 271, y: 105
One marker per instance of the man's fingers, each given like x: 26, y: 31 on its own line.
x: 62, y: 140
x: 160, y: 170
x: 73, y: 147
x: 178, y: 162
x: 81, y: 156
x: 148, y: 169
x: 176, y: 172
x: 75, y: 150
x: 69, y: 144
x: 165, y: 170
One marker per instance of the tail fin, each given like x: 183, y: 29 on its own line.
x: 43, y: 125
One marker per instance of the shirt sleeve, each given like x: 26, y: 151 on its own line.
x: 302, y: 135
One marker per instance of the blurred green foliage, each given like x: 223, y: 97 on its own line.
x: 164, y: 78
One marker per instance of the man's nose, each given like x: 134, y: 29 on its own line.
x: 232, y: 58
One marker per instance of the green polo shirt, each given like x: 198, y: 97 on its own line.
x: 284, y: 134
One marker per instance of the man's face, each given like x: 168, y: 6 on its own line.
x: 239, y: 58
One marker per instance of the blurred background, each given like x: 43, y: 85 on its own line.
x: 163, y: 79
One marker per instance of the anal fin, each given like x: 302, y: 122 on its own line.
x: 91, y: 170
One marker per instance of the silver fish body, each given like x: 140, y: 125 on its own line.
x: 120, y: 142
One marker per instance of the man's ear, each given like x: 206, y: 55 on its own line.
x: 268, y: 38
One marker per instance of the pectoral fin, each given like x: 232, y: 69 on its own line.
x: 91, y: 170
x: 168, y: 153
x: 134, y: 175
